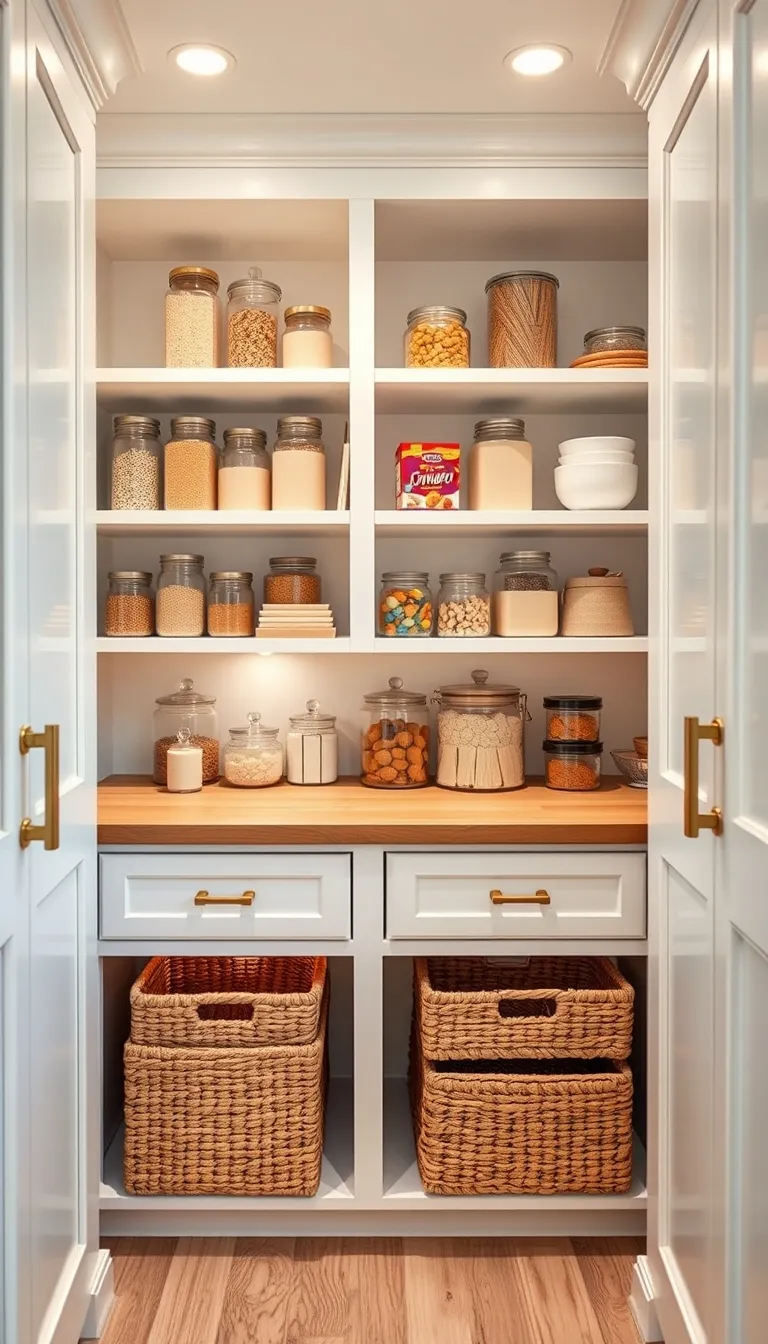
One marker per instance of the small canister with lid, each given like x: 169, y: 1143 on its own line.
x: 307, y: 339
x: 192, y: 317
x: 463, y: 607
x: 190, y: 709
x: 405, y: 603
x: 244, y: 473
x: 573, y: 718
x: 522, y: 320
x: 437, y: 337
x: 253, y: 756
x: 130, y: 605
x: 395, y: 738
x: 253, y: 307
x: 180, y: 606
x: 230, y: 603
x: 480, y: 736
x: 312, y: 747
x: 525, y: 599
x: 501, y: 465
x: 136, y: 463
x: 596, y: 603
x: 292, y: 580
x: 572, y: 766
x: 298, y: 464
x: 609, y: 340
x: 191, y: 464
x: 184, y: 764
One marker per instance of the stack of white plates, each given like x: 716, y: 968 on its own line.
x: 306, y: 620
x: 596, y: 473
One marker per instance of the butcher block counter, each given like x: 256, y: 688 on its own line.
x: 134, y: 811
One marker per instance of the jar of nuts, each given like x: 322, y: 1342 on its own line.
x: 253, y: 308
x: 573, y: 766
x: 463, y: 606
x: 230, y: 603
x: 437, y: 337
x: 190, y: 709
x: 130, y: 606
x: 136, y: 463
x: 192, y: 318
x: 253, y: 756
x: 480, y: 736
x: 395, y: 740
x: 191, y: 464
x: 180, y: 608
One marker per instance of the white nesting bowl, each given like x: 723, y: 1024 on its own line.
x: 610, y: 443
x: 592, y: 486
x: 589, y: 459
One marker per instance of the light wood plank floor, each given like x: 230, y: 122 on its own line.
x: 355, y: 1291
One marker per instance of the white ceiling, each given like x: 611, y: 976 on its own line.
x: 331, y: 56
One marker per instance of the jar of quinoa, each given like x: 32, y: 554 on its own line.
x: 190, y: 709
x: 292, y: 579
x: 573, y: 766
x: 130, y: 605
x: 230, y: 603
x: 253, y: 756
x: 573, y: 718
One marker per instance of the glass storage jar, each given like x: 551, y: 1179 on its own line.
x: 253, y: 307
x: 253, y: 756
x: 312, y: 747
x: 437, y: 337
x: 191, y: 464
x: 298, y: 464
x: 525, y: 599
x: 130, y: 605
x: 244, y: 472
x: 192, y: 318
x: 395, y: 740
x: 480, y: 736
x: 184, y: 764
x: 573, y: 766
x: 573, y: 718
x: 463, y: 606
x: 604, y: 339
x: 307, y: 339
x: 292, y: 579
x: 522, y: 320
x: 186, y: 708
x: 180, y: 606
x: 230, y: 603
x: 405, y: 603
x: 136, y: 463
x: 501, y: 465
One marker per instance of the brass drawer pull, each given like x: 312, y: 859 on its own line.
x: 695, y: 821
x: 47, y: 741
x: 540, y: 897
x: 203, y: 898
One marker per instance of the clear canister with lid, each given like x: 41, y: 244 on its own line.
x: 292, y: 580
x: 606, y: 340
x: 572, y: 766
x: 298, y: 464
x: 230, y: 603
x: 573, y: 718
x: 191, y: 464
x: 463, y: 606
x: 245, y: 480
x: 136, y: 476
x: 195, y: 711
x: 405, y: 604
x: 184, y: 764
x: 180, y: 606
x: 501, y: 465
x: 395, y: 739
x: 480, y: 736
x: 437, y: 337
x: 522, y: 320
x: 192, y: 318
x: 312, y: 747
x: 130, y: 605
x: 307, y: 339
x: 253, y: 756
x: 253, y: 308
x: 525, y: 598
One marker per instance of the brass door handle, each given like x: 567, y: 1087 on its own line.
x: 203, y: 898
x: 695, y: 821
x: 539, y: 897
x: 48, y: 741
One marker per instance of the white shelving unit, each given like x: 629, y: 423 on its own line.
x: 516, y: 391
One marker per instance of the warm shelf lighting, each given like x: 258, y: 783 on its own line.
x: 197, y: 59
x: 537, y: 60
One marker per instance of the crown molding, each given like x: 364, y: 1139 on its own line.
x: 643, y: 42
x: 127, y: 140
x: 99, y: 43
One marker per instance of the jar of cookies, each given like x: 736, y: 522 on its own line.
x: 395, y: 738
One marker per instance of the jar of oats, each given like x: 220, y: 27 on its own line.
x: 437, y: 337
x: 230, y: 603
x: 253, y: 756
x: 192, y: 318
x: 136, y: 463
x: 130, y: 606
x: 191, y: 464
x: 192, y: 710
x: 253, y: 308
x: 180, y: 606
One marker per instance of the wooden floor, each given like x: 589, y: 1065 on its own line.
x: 228, y: 1291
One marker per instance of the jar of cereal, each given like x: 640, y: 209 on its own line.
x: 253, y: 756
x: 395, y: 741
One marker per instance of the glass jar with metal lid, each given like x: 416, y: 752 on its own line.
x: 405, y: 604
x: 437, y: 337
x: 522, y: 320
x: 298, y: 464
x: 463, y: 606
x: 191, y: 464
x: 192, y: 318
x: 501, y: 465
x: 244, y: 472
x: 136, y: 463
x: 480, y: 736
x: 230, y: 603
x: 607, y: 339
x: 307, y: 339
x: 395, y: 738
x: 253, y: 308
x: 130, y: 606
x: 191, y: 709
x: 292, y: 579
x: 180, y: 607
x: 525, y: 599
x: 312, y: 747
x: 253, y: 756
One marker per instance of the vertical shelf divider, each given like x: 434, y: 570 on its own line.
x: 362, y: 358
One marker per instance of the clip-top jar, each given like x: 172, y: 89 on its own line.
x: 136, y: 463
x: 395, y: 740
x: 244, y: 474
x: 312, y: 747
x: 298, y: 464
x: 437, y: 337
x: 480, y: 736
x: 252, y: 311
x: 186, y: 708
x: 253, y: 756
x: 192, y: 318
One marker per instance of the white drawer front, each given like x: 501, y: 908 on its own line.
x: 294, y: 895
x: 448, y: 895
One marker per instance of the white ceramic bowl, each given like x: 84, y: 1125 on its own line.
x: 604, y: 443
x: 610, y: 486
x: 595, y: 459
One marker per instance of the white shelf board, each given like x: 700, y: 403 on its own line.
x: 528, y: 391
x: 403, y: 1188
x: 231, y: 522
x: 206, y: 644
x: 180, y: 391
x: 497, y: 644
x: 541, y: 522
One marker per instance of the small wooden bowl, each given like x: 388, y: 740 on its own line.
x: 641, y: 747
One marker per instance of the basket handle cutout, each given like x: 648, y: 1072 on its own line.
x: 527, y: 1008
x: 225, y: 1012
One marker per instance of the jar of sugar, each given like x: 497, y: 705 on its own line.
x: 312, y: 747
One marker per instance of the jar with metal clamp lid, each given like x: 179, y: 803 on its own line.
x: 253, y: 756
x: 312, y: 747
x: 480, y: 736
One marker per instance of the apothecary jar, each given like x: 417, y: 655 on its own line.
x: 480, y: 731
x: 186, y: 708
x: 395, y: 739
x: 253, y: 756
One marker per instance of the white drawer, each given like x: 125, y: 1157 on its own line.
x: 281, y: 895
x: 449, y: 895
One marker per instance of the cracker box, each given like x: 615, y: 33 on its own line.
x: 428, y: 475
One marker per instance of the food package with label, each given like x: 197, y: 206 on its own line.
x: 428, y: 475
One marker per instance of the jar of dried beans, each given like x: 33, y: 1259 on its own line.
x: 298, y: 464
x: 136, y: 463
x: 230, y: 603
x: 525, y: 599
x: 253, y: 756
x: 292, y: 579
x: 244, y: 474
x: 180, y: 607
x: 573, y: 718
x: 253, y: 308
x: 192, y: 318
x: 522, y: 320
x: 130, y: 606
x: 191, y: 464
x: 480, y: 732
x: 573, y: 766
x: 395, y: 740
x: 190, y: 709
x: 437, y: 337
x: 307, y: 339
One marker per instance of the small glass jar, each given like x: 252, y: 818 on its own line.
x: 184, y: 764
x: 573, y: 718
x: 130, y: 605
x: 253, y: 756
x: 192, y: 318
x: 307, y: 339
x: 180, y: 606
x: 230, y: 603
x: 463, y: 606
x: 136, y: 476
x: 186, y: 708
x: 191, y: 464
x: 480, y: 736
x: 525, y: 599
x: 605, y: 339
x: 312, y: 747
x: 405, y: 604
x: 244, y: 472
x: 573, y: 766
x: 395, y: 739
x: 437, y: 337
x: 501, y: 465
x: 298, y: 464
x: 253, y: 308
x: 292, y: 579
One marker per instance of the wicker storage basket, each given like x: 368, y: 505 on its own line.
x: 228, y: 1002
x: 539, y: 1008
x: 225, y: 1122
x: 512, y: 1128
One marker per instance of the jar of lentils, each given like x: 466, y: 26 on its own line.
x: 130, y: 606
x: 187, y: 709
x: 191, y: 464
x: 298, y: 464
x: 192, y: 318
x: 292, y: 579
x: 437, y: 337
x: 253, y: 756
x: 572, y: 766
x: 463, y: 606
x: 230, y: 603
x: 136, y: 459
x: 180, y: 608
x: 253, y: 308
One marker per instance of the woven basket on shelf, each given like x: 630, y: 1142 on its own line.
x: 537, y: 1008
x: 228, y: 1002
x: 515, y: 1127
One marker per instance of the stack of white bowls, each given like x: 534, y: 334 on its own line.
x: 596, y: 473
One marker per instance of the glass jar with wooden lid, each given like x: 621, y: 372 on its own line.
x: 307, y: 339
x: 192, y: 318
x: 253, y: 308
x: 480, y: 736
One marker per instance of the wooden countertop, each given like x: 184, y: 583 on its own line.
x: 134, y: 811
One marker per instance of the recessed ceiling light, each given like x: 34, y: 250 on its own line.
x: 536, y: 60
x: 199, y: 59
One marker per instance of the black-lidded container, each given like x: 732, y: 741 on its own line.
x: 573, y: 718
